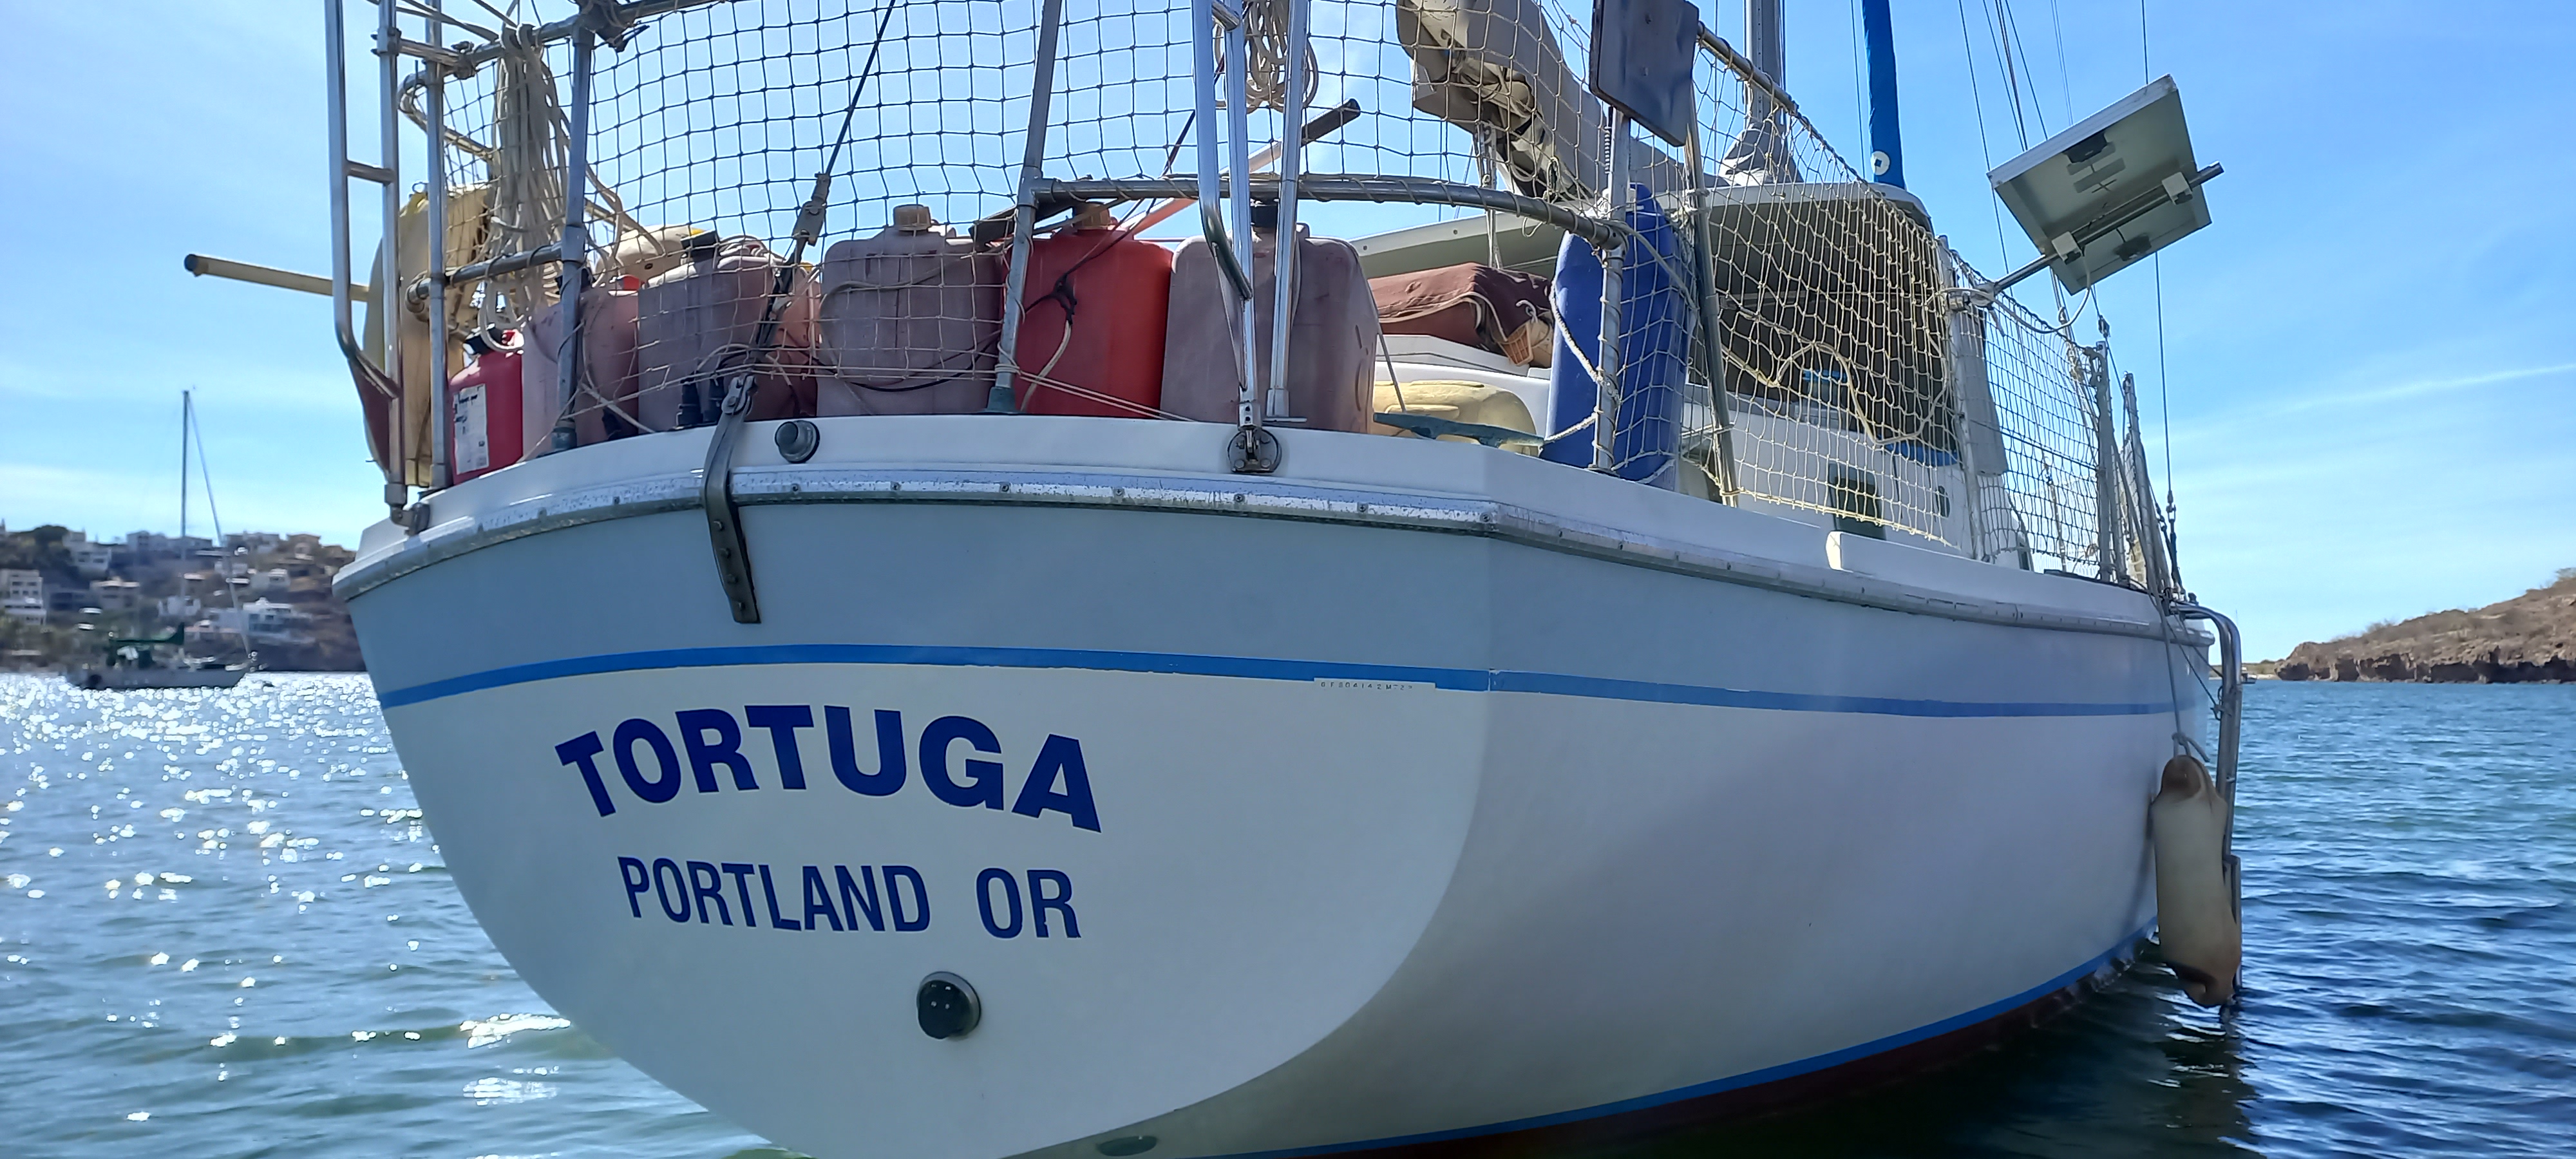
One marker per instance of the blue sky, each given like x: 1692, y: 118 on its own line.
x: 2371, y: 354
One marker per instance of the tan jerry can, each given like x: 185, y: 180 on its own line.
x: 603, y: 405
x: 694, y: 328
x: 911, y: 321
x: 1333, y: 336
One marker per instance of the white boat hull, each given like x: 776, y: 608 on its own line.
x: 1310, y: 833
x: 122, y: 679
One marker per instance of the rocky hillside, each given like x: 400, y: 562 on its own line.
x: 2530, y: 637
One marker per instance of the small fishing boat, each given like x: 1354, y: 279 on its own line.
x: 1541, y: 603
x: 152, y: 662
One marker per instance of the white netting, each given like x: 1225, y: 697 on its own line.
x: 1862, y: 383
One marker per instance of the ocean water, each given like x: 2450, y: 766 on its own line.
x: 225, y: 931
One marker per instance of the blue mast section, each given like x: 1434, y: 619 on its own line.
x: 1887, y: 148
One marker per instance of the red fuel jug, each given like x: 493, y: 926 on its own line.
x: 1091, y: 326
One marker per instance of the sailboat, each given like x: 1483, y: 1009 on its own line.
x: 1003, y: 683
x: 163, y: 661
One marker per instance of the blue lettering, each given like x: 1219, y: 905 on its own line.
x: 984, y: 901
x: 638, y: 879
x: 845, y: 752
x: 782, y: 721
x: 725, y: 749
x: 1059, y: 760
x: 857, y: 903
x: 1061, y: 901
x: 818, y: 898
x: 1059, y: 780
x: 984, y: 778
x: 742, y: 888
x: 665, y: 867
x: 582, y: 750
x: 769, y: 892
x: 709, y: 886
x: 661, y: 788
x: 920, y: 918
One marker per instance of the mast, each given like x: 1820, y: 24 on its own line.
x: 1887, y: 149
x: 1767, y: 40
x: 1760, y: 155
x: 187, y: 406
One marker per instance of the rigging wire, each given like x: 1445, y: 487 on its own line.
x: 2012, y: 80
x: 1860, y: 98
x: 1968, y: 53
x: 2164, y: 389
x: 206, y: 477
x: 2065, y: 76
x: 2021, y: 44
x: 2008, y: 42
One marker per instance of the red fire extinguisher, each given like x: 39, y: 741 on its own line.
x: 488, y: 413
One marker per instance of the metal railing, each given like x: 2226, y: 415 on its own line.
x: 1851, y: 390
x: 2230, y: 713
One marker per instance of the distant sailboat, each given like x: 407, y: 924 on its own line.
x: 163, y: 661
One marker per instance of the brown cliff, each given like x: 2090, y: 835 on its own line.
x: 2531, y: 637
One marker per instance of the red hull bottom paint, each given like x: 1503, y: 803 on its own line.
x: 1788, y: 1087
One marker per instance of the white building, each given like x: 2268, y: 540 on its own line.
x: 269, y: 619
x: 272, y: 582
x: 263, y: 621
x: 146, y: 545
x: 115, y: 595
x: 180, y: 607
x: 22, y: 595
x: 93, y: 559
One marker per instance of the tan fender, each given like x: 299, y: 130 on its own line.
x: 2195, y: 903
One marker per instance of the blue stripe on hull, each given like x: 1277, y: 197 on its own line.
x: 1788, y: 1070
x: 1246, y: 667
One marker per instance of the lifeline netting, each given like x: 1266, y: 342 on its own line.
x: 1861, y: 378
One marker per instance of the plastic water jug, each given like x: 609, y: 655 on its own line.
x: 1096, y: 307
x: 1332, y: 338
x: 911, y: 321
x: 694, y: 328
x: 604, y: 402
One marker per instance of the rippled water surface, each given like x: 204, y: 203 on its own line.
x: 226, y: 931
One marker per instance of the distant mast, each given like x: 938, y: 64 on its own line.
x: 187, y: 411
x: 1886, y: 144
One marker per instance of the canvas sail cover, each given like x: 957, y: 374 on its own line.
x: 1493, y: 68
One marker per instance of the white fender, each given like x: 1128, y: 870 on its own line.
x: 2196, y: 908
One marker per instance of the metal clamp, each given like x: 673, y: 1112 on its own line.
x: 724, y: 517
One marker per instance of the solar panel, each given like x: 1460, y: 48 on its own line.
x: 2118, y: 186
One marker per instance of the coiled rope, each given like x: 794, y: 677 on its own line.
x: 1265, y: 73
